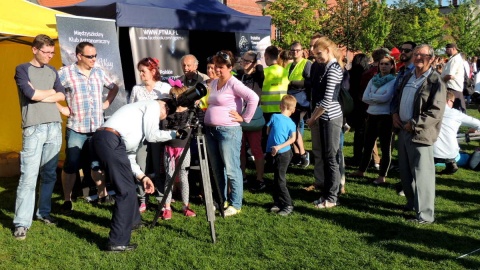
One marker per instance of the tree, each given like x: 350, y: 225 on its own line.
x: 414, y: 22
x: 345, y: 21
x: 297, y: 20
x: 465, y: 27
x: 375, y: 27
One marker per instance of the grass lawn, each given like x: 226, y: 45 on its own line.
x: 367, y: 231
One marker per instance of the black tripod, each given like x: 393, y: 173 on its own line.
x: 193, y: 124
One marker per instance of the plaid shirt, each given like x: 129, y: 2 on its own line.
x: 84, y: 97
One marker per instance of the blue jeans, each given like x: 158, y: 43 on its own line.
x: 223, y: 146
x: 76, y: 143
x: 41, y: 145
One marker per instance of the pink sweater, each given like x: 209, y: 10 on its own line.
x: 230, y: 97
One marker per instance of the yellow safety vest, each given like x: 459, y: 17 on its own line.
x: 274, y: 88
x: 297, y: 72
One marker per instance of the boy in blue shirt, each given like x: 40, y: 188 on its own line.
x: 281, y: 132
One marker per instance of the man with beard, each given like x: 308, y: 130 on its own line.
x: 453, y: 75
x: 406, y: 57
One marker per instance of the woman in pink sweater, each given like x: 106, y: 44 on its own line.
x: 227, y: 98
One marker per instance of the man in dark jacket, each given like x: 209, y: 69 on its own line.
x: 417, y: 112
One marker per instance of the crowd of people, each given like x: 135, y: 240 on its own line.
x: 263, y: 109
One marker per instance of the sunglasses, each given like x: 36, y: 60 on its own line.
x: 225, y: 56
x: 89, y: 56
x: 405, y: 50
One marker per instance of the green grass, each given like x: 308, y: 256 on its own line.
x: 366, y: 232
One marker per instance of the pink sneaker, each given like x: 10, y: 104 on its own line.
x: 143, y: 208
x: 188, y: 212
x: 167, y: 214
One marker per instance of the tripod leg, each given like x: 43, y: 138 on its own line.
x: 161, y: 205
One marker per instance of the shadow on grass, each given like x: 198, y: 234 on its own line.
x: 401, y: 236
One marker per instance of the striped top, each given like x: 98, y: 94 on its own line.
x: 333, y: 76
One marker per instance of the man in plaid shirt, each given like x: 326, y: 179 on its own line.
x: 83, y: 82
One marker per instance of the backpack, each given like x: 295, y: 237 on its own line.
x: 344, y: 97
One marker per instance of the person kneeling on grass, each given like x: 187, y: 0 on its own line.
x: 281, y: 132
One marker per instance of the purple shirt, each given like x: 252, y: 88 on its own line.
x: 230, y: 97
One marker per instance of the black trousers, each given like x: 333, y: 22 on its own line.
x: 280, y: 194
x: 110, y: 150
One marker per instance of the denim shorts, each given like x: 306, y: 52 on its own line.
x: 76, y: 150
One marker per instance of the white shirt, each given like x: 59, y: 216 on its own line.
x: 455, y: 67
x: 446, y: 145
x: 139, y: 92
x: 137, y: 122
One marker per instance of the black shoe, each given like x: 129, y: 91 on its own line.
x: 67, y: 208
x: 287, y: 210
x: 450, y: 168
x: 305, y: 160
x: 113, y: 248
x: 138, y: 226
x: 107, y: 200
x: 259, y: 186
x: 49, y: 220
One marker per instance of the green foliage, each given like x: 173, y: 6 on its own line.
x: 297, y: 20
x: 345, y: 21
x: 418, y: 24
x: 464, y: 23
x: 375, y: 27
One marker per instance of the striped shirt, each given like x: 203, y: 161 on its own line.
x: 84, y: 97
x: 333, y: 75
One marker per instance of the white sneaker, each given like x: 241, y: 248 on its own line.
x: 231, y: 211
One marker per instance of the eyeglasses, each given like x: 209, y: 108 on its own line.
x: 89, y: 56
x: 246, y: 61
x: 50, y: 53
x: 405, y: 50
x: 422, y: 55
x: 296, y: 50
x: 225, y: 56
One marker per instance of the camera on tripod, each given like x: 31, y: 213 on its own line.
x: 190, y: 96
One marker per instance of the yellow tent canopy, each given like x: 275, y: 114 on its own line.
x: 20, y: 22
x: 19, y: 18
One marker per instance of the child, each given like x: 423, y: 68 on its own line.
x: 173, y: 151
x: 281, y: 132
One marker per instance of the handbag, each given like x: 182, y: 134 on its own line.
x: 257, y: 122
x: 300, y: 96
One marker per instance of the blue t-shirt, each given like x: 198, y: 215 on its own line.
x: 281, y: 128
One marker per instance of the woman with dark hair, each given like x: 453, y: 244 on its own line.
x: 360, y: 63
x: 223, y: 130
x: 329, y: 115
x: 252, y: 76
x: 377, y: 95
x: 151, y: 88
